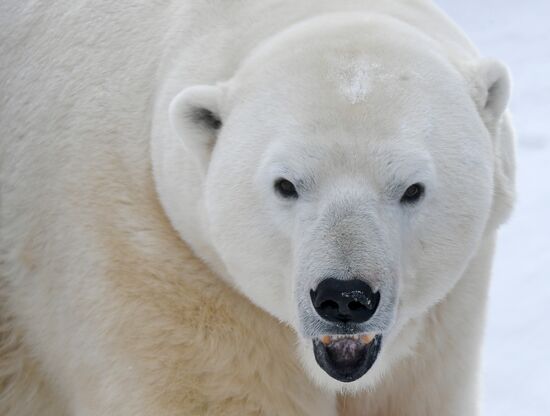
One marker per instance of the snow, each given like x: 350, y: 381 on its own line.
x: 517, y: 347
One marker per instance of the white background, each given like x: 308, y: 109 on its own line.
x: 517, y: 347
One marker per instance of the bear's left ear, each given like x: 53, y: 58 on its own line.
x: 490, y: 90
x: 195, y: 117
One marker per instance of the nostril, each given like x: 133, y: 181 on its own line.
x: 328, y: 304
x: 355, y: 306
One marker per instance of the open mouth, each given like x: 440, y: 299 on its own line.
x: 346, y: 357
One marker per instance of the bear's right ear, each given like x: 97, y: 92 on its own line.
x: 195, y: 117
x: 491, y: 91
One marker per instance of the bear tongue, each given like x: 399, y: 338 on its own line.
x: 346, y: 351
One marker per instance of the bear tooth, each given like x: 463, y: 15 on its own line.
x: 327, y: 339
x: 367, y: 339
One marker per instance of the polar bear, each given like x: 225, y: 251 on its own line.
x: 246, y: 208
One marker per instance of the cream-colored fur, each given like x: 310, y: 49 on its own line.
x: 105, y: 310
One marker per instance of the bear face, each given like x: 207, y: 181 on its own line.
x: 345, y: 149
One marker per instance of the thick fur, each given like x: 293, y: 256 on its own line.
x: 113, y: 303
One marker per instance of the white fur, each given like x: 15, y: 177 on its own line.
x: 352, y: 100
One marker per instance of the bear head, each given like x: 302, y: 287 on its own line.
x: 350, y: 170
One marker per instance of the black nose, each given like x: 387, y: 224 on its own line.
x: 345, y: 300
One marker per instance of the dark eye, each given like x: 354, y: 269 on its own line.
x: 285, y: 188
x: 413, y: 194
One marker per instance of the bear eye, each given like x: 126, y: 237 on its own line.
x: 285, y: 188
x: 413, y: 194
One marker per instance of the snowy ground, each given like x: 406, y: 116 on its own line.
x: 517, y: 349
